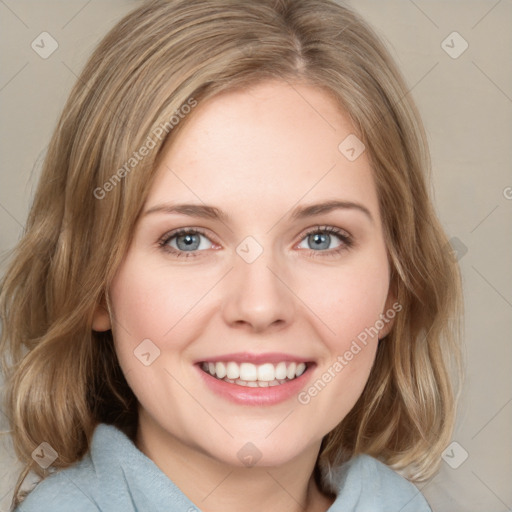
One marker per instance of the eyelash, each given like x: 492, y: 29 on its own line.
x: 345, y: 238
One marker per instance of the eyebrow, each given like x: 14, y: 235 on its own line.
x: 301, y: 212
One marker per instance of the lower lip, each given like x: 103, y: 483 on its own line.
x: 245, y: 395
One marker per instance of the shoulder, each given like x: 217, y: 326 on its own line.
x: 81, y: 486
x: 113, y: 476
x: 365, y: 483
x: 64, y: 490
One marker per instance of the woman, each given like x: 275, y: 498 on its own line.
x: 173, y: 294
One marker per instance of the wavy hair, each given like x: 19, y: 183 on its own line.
x: 63, y: 378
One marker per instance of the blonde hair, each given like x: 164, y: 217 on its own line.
x: 62, y: 378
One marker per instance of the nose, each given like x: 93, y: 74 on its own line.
x: 257, y: 295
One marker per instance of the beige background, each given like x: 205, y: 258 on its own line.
x: 466, y: 104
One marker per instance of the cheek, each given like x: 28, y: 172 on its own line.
x: 153, y: 319
x: 148, y: 305
x: 347, y: 300
x: 147, y: 302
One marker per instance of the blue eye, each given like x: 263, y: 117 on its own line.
x: 320, y: 238
x: 185, y: 241
x: 189, y: 242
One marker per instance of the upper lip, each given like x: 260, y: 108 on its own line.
x: 248, y: 357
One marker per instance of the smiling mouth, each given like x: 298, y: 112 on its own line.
x: 255, y: 376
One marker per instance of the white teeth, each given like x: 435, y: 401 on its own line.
x: 251, y: 375
x: 232, y: 371
x: 291, y: 371
x: 301, y: 368
x: 266, y: 372
x: 248, y: 372
x: 281, y: 371
x: 220, y: 370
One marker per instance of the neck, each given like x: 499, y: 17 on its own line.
x: 215, y: 486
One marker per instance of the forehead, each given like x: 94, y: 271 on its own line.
x: 269, y: 147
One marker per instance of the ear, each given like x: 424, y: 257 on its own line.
x: 101, y: 317
x: 390, y: 311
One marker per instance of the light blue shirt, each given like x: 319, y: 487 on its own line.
x: 115, y: 476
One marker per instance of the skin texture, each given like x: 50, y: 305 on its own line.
x: 256, y: 154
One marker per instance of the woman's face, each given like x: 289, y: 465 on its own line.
x: 266, y: 276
